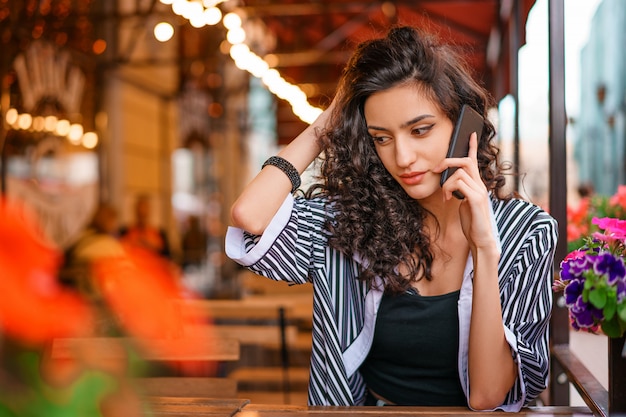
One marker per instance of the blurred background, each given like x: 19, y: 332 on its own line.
x: 119, y: 115
x: 181, y: 101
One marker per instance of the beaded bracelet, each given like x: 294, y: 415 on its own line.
x: 290, y: 171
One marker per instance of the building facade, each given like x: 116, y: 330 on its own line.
x: 600, y: 148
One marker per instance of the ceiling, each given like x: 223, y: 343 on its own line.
x: 313, y: 40
x: 310, y: 41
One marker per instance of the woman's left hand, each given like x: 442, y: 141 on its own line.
x: 474, y: 208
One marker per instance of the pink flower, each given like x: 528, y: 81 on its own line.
x: 576, y: 254
x: 614, y: 229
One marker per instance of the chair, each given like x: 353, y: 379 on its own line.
x: 260, y: 324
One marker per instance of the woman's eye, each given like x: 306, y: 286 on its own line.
x: 422, y: 130
x: 380, y: 139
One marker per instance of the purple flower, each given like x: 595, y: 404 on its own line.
x: 611, y: 266
x: 573, y: 291
x: 584, y: 315
x: 573, y: 268
x: 596, y: 272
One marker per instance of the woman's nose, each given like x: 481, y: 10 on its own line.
x: 405, y: 155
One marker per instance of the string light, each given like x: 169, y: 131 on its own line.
x: 90, y: 140
x: 62, y: 128
x: 73, y: 132
x: 243, y: 57
x: 212, y: 16
x: 163, y: 31
x: 50, y: 123
x: 24, y: 121
x: 38, y: 123
x: 11, y: 116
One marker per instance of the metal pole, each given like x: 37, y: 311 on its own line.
x: 617, y: 376
x: 559, y: 331
x: 514, y: 46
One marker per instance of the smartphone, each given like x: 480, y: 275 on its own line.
x: 469, y: 121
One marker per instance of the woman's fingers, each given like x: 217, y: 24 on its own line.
x: 473, y: 146
x: 467, y: 177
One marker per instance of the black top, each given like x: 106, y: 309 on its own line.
x: 414, y: 355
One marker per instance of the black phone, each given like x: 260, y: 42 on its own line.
x: 469, y: 121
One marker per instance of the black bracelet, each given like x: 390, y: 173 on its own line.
x: 290, y: 171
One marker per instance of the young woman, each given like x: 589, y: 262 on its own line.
x: 420, y: 298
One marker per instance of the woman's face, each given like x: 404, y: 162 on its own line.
x: 411, y: 135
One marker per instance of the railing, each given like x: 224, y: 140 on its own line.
x: 601, y: 402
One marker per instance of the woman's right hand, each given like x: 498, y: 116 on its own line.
x: 262, y: 197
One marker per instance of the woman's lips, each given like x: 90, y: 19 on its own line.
x: 412, y: 178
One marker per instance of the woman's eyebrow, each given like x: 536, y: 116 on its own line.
x: 370, y: 127
x: 405, y: 124
x: 416, y: 119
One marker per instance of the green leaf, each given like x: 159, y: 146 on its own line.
x: 611, y: 328
x: 590, y: 279
x: 597, y: 297
x: 621, y: 311
x: 5, y: 411
x: 610, y: 308
x: 585, y: 295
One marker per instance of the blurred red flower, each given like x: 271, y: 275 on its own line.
x: 619, y: 198
x: 577, y: 220
x: 142, y: 290
x: 34, y: 308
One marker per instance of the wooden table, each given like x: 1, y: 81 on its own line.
x: 267, y: 410
x: 236, y: 407
x: 201, y: 407
x: 173, y: 349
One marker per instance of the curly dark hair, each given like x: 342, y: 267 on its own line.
x: 375, y: 217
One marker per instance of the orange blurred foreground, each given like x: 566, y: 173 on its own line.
x: 34, y: 308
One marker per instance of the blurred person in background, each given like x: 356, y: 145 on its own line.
x: 98, y: 241
x: 194, y: 243
x: 141, y: 233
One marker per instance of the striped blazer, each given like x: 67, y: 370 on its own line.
x: 294, y: 248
